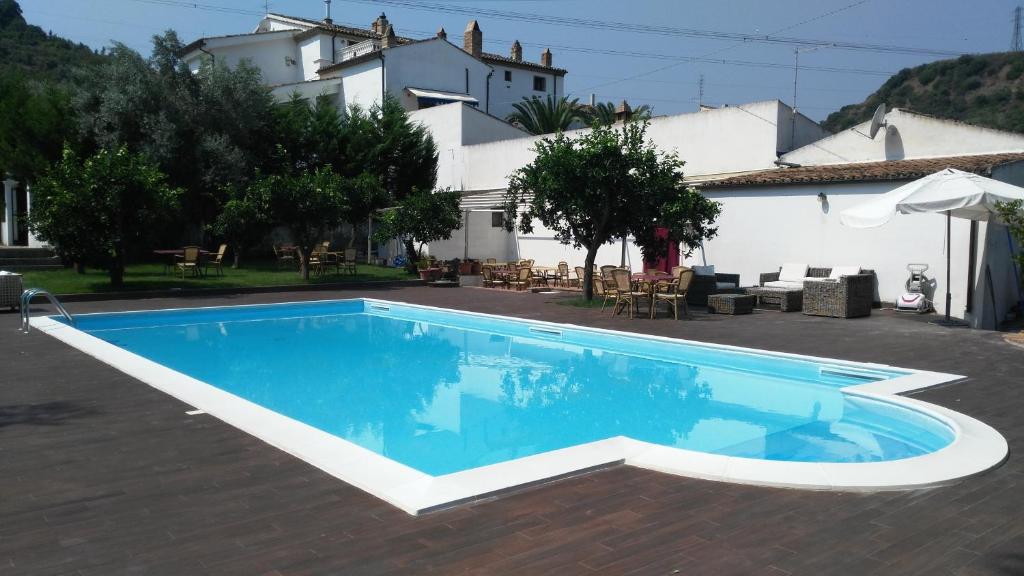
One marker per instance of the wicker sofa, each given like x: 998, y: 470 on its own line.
x: 849, y: 296
x: 704, y: 285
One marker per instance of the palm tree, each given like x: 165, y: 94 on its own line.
x: 604, y: 113
x: 546, y: 116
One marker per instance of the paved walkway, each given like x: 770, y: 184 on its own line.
x: 100, y: 474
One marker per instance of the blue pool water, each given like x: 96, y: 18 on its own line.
x: 442, y: 391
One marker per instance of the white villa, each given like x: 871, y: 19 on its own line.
x: 358, y: 66
x: 782, y: 179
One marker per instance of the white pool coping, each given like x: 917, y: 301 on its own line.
x: 976, y: 447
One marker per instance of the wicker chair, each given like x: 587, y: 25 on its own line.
x: 625, y: 296
x: 489, y: 280
x: 189, y: 260
x: 217, y: 261
x: 521, y: 280
x: 703, y: 286
x: 284, y: 257
x: 848, y: 297
x: 348, y: 262
x: 676, y: 293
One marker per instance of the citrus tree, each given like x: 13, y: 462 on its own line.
x: 101, y: 208
x: 421, y: 218
x: 607, y: 184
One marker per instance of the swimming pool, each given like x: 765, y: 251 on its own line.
x: 426, y: 407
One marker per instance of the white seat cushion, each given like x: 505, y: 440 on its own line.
x: 704, y: 270
x: 721, y: 285
x: 840, y: 271
x: 788, y: 284
x: 793, y: 272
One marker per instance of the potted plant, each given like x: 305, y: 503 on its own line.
x: 465, y: 267
x: 428, y: 272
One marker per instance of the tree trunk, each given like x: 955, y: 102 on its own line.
x: 117, y: 268
x: 237, y: 256
x: 304, y: 263
x: 80, y: 267
x: 588, y: 274
x: 411, y: 255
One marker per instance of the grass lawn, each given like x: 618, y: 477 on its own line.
x: 580, y: 302
x: 153, y: 277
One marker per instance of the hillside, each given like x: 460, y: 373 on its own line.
x: 28, y: 50
x: 983, y: 89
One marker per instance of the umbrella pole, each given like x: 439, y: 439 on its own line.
x: 949, y: 227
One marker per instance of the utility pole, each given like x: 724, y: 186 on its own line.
x: 1015, y: 44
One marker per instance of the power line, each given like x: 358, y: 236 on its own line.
x: 203, y: 6
x: 654, y: 29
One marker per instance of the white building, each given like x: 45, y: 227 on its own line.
x: 358, y: 66
x: 791, y: 214
x: 713, y: 143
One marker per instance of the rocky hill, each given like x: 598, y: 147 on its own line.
x: 983, y: 89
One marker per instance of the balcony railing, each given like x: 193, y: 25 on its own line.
x: 356, y: 50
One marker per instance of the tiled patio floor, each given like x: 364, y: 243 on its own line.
x: 100, y: 474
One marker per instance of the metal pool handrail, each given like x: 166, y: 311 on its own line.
x: 26, y: 312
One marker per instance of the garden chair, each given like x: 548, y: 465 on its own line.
x: 489, y: 280
x: 217, y: 261
x: 189, y: 260
x: 521, y: 280
x: 625, y: 296
x: 316, y: 263
x: 676, y: 293
x: 580, y: 273
x: 284, y: 257
x: 563, y: 274
x: 491, y: 261
x: 603, y: 289
x: 349, y: 263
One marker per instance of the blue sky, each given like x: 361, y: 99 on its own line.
x: 754, y: 71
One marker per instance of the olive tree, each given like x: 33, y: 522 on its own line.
x: 606, y: 184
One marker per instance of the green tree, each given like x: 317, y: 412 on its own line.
x: 603, y: 113
x: 35, y: 119
x: 205, y: 130
x: 421, y: 218
x: 308, y: 204
x: 603, y: 185
x: 548, y: 115
x: 99, y: 209
x: 244, y: 220
x: 1012, y: 214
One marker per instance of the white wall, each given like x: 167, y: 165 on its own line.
x: 454, y: 125
x: 309, y: 90
x: 909, y: 136
x: 361, y: 84
x: 505, y: 94
x: 760, y: 228
x: 720, y: 141
x: 433, y: 65
x: 266, y: 51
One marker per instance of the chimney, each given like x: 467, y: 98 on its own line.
x: 327, y: 12
x: 379, y: 25
x: 517, y: 51
x: 389, y: 39
x: 545, y: 58
x: 473, y: 39
x: 623, y: 112
x: 442, y: 34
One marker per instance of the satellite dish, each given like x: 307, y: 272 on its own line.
x: 877, y: 120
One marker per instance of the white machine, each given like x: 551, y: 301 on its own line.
x: 914, y: 300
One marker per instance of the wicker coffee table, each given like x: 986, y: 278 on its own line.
x: 731, y: 303
x: 787, y: 299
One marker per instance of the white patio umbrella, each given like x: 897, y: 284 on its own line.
x: 955, y: 192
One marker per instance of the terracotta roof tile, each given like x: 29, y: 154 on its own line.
x: 867, y: 171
